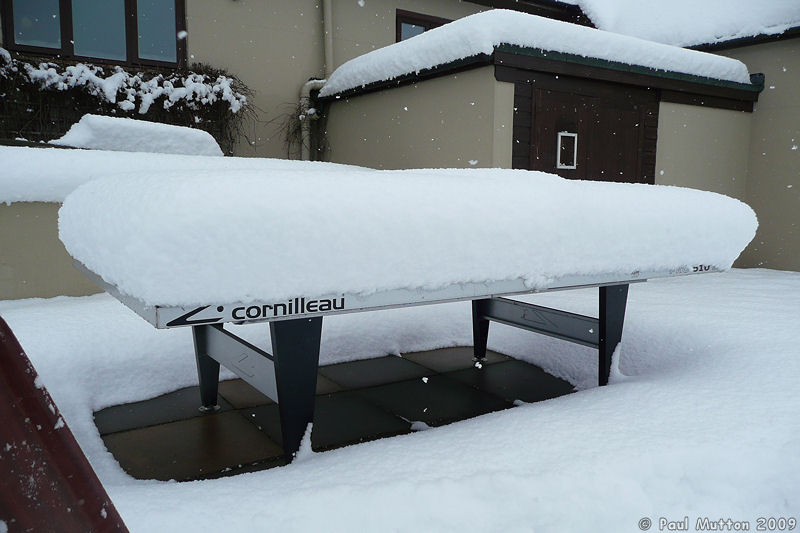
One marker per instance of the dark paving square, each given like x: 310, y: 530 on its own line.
x: 192, y: 449
x: 438, y: 401
x: 179, y: 405
x: 339, y: 419
x: 168, y: 438
x: 242, y: 395
x: 514, y: 380
x: 370, y: 372
x: 449, y: 359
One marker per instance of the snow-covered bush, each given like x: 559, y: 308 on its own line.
x: 202, y: 97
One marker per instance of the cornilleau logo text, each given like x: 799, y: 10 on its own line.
x: 294, y: 306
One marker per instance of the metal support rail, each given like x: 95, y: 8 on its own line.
x: 288, y: 376
x: 603, y: 333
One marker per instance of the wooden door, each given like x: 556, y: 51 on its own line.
x: 613, y: 126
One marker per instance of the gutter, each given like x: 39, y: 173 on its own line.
x: 307, y: 114
x: 327, y: 25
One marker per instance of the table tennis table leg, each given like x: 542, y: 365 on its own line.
x: 606, y: 330
x: 613, y: 300
x: 295, y: 352
x: 207, y: 371
x: 480, y: 332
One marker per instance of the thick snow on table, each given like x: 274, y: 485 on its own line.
x: 194, y: 238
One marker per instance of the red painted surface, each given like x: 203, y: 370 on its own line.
x: 47, y: 482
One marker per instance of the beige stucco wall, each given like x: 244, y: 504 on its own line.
x: 773, y: 181
x: 33, y: 262
x: 275, y: 46
x: 272, y: 46
x: 359, y: 29
x: 703, y: 148
x: 459, y: 120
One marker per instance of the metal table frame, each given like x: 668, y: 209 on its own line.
x: 288, y: 375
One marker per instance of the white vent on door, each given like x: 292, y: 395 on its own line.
x: 567, y: 150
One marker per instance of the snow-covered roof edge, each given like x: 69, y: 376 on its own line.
x: 481, y: 34
x: 690, y: 23
x: 792, y: 32
x: 754, y: 85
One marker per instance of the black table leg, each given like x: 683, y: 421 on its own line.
x: 207, y: 370
x: 480, y: 330
x: 295, y: 352
x: 613, y: 300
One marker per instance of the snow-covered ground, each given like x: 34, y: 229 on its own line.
x: 700, y: 418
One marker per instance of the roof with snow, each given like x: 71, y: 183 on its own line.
x: 693, y: 22
x: 481, y: 34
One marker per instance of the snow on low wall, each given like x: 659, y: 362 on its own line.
x: 128, y: 135
x: 50, y: 174
x: 193, y: 238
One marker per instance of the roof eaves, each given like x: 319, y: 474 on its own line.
x: 553, y: 9
x: 624, y: 67
x: 744, y: 91
x: 466, y: 63
x: 791, y: 33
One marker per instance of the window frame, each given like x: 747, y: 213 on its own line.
x: 417, y: 19
x: 66, y: 50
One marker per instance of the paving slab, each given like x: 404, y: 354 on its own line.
x: 340, y: 419
x: 435, y: 400
x: 242, y: 395
x: 370, y: 372
x: 182, y: 404
x: 514, y: 380
x: 192, y: 449
x: 168, y: 438
x: 449, y: 359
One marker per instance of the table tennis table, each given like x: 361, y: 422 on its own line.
x: 288, y: 374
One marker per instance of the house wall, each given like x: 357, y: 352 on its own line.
x: 703, y: 148
x: 460, y: 120
x: 272, y: 46
x: 773, y: 181
x: 33, y: 262
x: 275, y: 46
x: 360, y: 29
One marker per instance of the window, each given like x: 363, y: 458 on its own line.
x: 567, y: 150
x: 409, y: 24
x: 130, y: 31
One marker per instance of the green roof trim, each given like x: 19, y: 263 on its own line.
x: 761, y: 38
x: 624, y: 67
x: 751, y: 89
x: 444, y: 69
